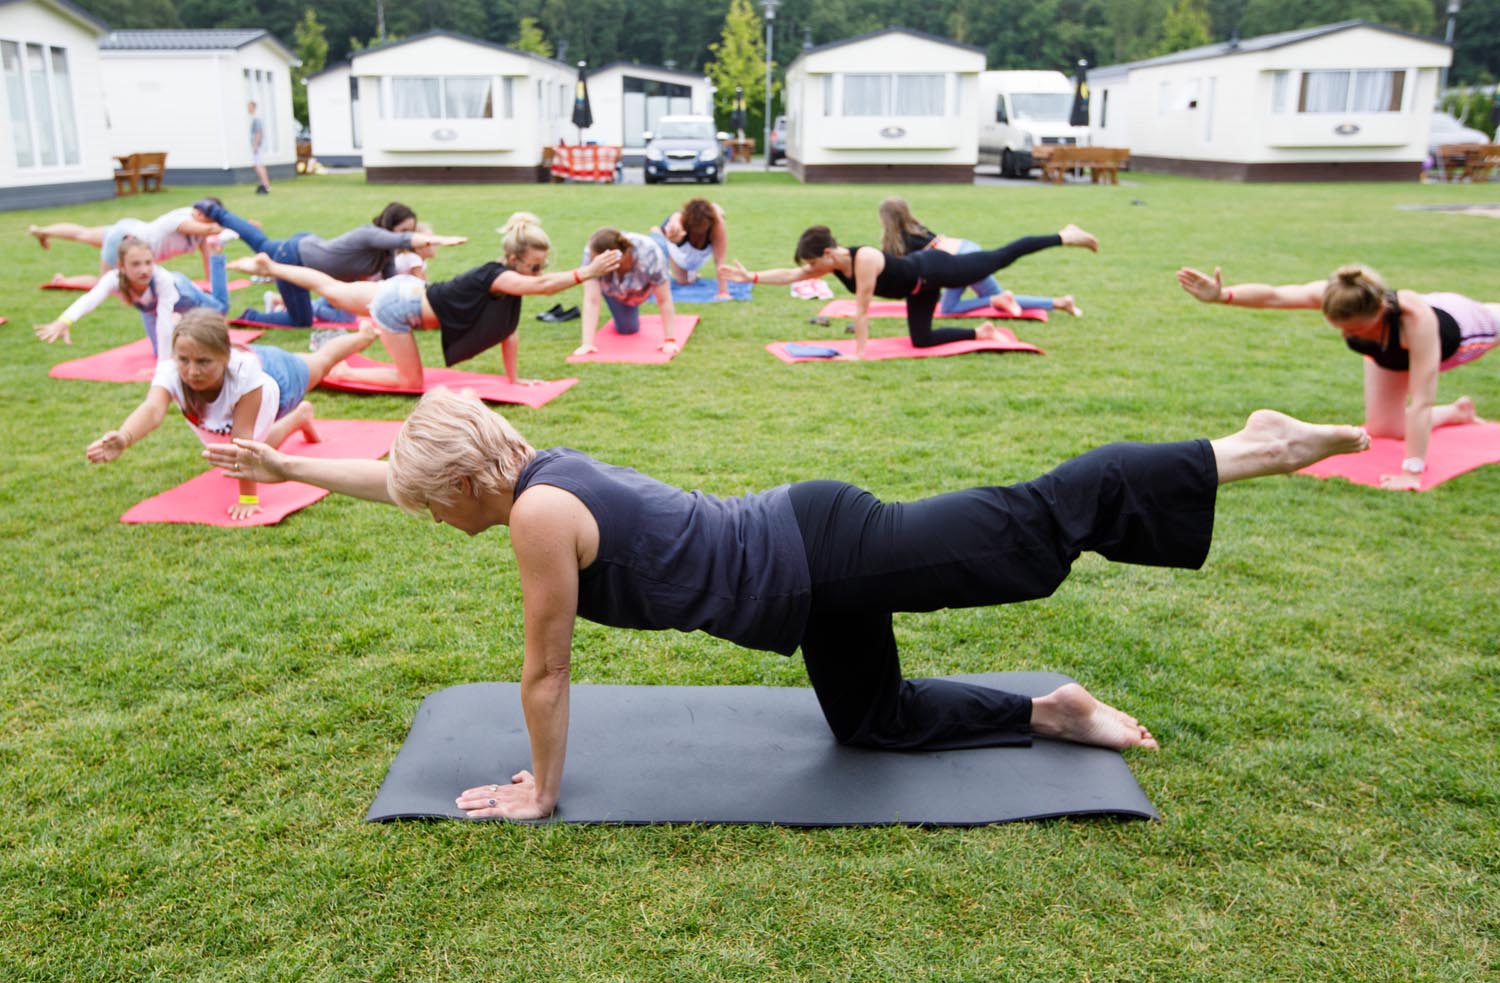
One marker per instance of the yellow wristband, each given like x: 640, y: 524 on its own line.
x: 67, y: 321
x: 249, y: 499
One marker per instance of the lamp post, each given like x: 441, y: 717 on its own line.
x: 770, y: 8
x: 1453, y: 7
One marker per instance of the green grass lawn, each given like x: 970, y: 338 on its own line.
x: 193, y: 721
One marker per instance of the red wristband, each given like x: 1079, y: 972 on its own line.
x: 1229, y: 296
x: 576, y: 278
x: 755, y: 278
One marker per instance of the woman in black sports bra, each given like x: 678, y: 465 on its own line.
x: 919, y: 278
x: 1407, y: 339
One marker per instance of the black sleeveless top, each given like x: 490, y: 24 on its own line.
x: 733, y: 567
x: 1391, y: 355
x: 899, y: 278
x: 472, y: 319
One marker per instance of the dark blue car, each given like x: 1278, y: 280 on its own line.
x: 684, y: 148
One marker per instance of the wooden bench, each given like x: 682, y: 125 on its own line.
x: 1103, y: 163
x: 1465, y: 160
x: 139, y: 172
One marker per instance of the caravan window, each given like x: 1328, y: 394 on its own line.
x: 442, y: 98
x: 39, y: 91
x: 898, y: 95
x: 1357, y: 92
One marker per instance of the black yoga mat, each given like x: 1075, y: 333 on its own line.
x: 743, y: 754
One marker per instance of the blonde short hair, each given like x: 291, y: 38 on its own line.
x: 448, y: 437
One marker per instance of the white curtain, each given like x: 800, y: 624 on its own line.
x: 1374, y: 92
x: 15, y: 90
x: 920, y: 95
x: 467, y: 98
x: 62, y: 92
x: 1324, y: 92
x: 1279, y: 90
x: 867, y: 95
x: 416, y: 98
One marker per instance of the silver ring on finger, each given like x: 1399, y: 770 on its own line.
x: 492, y: 802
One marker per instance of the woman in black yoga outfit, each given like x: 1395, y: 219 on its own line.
x: 919, y: 277
x: 821, y: 565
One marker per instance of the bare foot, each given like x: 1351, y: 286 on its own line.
x: 1072, y: 235
x: 1005, y: 301
x: 988, y: 331
x: 1463, y: 411
x: 58, y: 278
x: 1071, y: 713
x: 310, y: 432
x: 1067, y: 303
x: 259, y: 264
x: 41, y: 237
x: 1274, y: 443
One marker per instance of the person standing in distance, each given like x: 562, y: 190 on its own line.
x: 257, y: 143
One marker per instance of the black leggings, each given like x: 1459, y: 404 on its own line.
x: 1132, y: 503
x: 939, y: 269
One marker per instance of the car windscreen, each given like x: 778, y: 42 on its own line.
x: 681, y: 130
x: 1044, y: 107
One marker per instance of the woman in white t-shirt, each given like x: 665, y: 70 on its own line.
x: 228, y: 391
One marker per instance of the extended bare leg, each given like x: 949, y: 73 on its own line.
x: 352, y: 297
x: 89, y: 235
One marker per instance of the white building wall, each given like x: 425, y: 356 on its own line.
x: 1220, y: 109
x: 534, y: 114
x: 820, y: 133
x: 330, y: 115
x: 32, y: 23
x: 607, y: 99
x: 194, y: 106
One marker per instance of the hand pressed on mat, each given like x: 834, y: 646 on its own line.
x: 514, y: 801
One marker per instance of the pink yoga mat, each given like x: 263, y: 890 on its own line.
x: 642, y: 347
x: 205, y: 500
x: 490, y: 388
x: 86, y: 281
x: 879, y: 349
x: 897, y: 308
x: 1451, y: 452
x: 128, y: 363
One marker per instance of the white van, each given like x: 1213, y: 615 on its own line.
x: 1017, y: 111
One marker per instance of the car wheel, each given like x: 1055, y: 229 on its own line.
x: 1007, y: 164
x: 652, y: 179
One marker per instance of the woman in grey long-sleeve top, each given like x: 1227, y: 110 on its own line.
x: 356, y: 255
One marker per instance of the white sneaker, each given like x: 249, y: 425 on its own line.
x: 224, y: 235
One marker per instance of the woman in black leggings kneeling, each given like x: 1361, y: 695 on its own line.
x: 919, y: 277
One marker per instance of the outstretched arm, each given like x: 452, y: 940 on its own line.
x: 256, y: 461
x: 737, y: 273
x: 141, y: 421
x: 1211, y: 290
x: 544, y: 531
x: 521, y: 285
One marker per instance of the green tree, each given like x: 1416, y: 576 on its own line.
x: 312, y: 51
x: 1184, y: 27
x: 530, y: 38
x: 1271, y: 16
x: 740, y: 60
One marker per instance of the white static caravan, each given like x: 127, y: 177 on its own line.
x: 628, y: 99
x: 333, y: 116
x: 1344, y: 101
x: 445, y: 107
x: 53, y: 150
x: 852, y: 117
x: 188, y: 93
